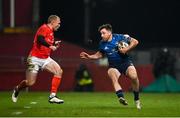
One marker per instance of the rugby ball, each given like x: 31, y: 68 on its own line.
x: 122, y: 44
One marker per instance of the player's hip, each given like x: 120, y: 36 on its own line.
x: 34, y: 63
x: 121, y: 66
x: 40, y: 53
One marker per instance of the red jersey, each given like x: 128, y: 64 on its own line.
x: 39, y: 50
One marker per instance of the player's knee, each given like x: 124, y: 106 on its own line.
x: 59, y: 72
x: 30, y: 83
x: 112, y: 75
x: 110, y: 71
x: 134, y: 76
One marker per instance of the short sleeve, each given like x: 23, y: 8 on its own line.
x: 126, y: 38
x: 42, y: 31
x: 123, y: 37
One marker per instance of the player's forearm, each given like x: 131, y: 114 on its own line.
x: 93, y: 57
x: 42, y: 41
x: 133, y: 44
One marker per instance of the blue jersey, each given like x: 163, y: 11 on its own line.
x: 110, y: 49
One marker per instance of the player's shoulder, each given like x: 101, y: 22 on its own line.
x: 43, y: 26
x: 43, y: 29
x: 117, y: 35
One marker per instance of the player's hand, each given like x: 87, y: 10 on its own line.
x: 57, y: 43
x: 123, y: 50
x: 53, y: 47
x: 84, y: 55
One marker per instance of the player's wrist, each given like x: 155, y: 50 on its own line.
x: 52, y: 47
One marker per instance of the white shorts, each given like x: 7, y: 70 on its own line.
x: 34, y: 64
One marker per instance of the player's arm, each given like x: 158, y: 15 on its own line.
x: 132, y: 43
x: 57, y: 43
x: 85, y: 55
x: 41, y: 40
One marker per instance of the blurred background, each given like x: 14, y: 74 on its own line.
x: 154, y: 23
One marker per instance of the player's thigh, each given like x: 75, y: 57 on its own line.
x: 113, y: 73
x: 32, y: 70
x: 53, y: 67
x: 131, y: 72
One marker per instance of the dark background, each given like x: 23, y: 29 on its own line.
x: 155, y: 23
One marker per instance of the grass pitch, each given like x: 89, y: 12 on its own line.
x: 89, y: 105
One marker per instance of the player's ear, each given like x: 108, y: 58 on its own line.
x: 109, y: 32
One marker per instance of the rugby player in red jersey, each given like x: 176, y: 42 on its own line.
x: 39, y: 59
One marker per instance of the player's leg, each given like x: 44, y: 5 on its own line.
x: 114, y: 75
x: 29, y: 81
x: 31, y: 75
x: 56, y: 70
x: 132, y: 74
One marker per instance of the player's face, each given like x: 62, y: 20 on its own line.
x: 56, y: 24
x: 105, y: 34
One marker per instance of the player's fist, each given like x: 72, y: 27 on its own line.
x: 53, y: 47
x: 57, y: 43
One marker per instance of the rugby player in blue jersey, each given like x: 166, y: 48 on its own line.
x: 119, y: 61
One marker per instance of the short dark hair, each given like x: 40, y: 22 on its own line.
x: 52, y: 17
x: 106, y: 26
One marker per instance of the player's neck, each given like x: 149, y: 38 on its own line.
x: 50, y: 26
x: 110, y: 38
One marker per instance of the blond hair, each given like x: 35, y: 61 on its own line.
x: 52, y: 18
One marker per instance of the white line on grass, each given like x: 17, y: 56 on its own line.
x: 33, y: 102
x: 17, y: 113
x: 27, y: 107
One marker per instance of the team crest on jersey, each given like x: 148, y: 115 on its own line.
x: 106, y: 48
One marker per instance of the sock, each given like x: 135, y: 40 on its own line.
x: 119, y: 93
x: 55, y: 84
x: 136, y: 95
x: 21, y: 85
x: 52, y: 95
